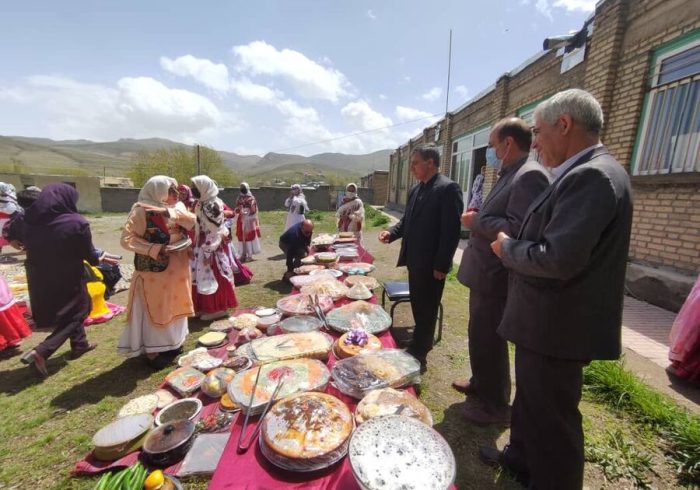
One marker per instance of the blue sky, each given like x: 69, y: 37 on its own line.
x: 257, y: 76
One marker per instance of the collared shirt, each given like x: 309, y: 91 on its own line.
x: 561, y: 169
x: 424, y: 185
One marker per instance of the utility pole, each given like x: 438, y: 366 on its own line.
x: 449, y: 68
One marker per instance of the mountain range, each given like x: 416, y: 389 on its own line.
x: 42, y: 155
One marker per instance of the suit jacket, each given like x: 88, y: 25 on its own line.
x: 430, y: 226
x: 567, y: 266
x: 503, y: 210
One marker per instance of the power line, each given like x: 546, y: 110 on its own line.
x: 350, y: 135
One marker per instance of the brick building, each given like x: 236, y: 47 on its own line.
x: 641, y: 59
x: 378, y: 181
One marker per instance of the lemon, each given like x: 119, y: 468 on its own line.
x: 154, y: 481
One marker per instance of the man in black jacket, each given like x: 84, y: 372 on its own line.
x: 295, y: 244
x: 567, y: 274
x: 519, y: 182
x: 429, y: 230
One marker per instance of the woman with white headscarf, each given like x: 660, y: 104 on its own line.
x: 8, y: 207
x: 247, y: 225
x: 351, y: 214
x: 212, y: 266
x: 160, y: 296
x: 296, y: 205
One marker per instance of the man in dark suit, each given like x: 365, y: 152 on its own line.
x: 519, y: 183
x: 295, y: 243
x: 429, y: 230
x: 567, y: 273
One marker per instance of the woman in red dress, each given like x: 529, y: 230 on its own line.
x: 13, y: 326
x: 247, y: 225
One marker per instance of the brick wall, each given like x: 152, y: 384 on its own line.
x: 666, y: 226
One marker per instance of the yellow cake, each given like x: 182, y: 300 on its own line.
x: 306, y: 426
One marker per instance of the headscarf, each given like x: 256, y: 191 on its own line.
x: 155, y: 190
x: 184, y: 194
x: 57, y: 203
x: 8, y: 199
x: 347, y: 190
x: 246, y: 199
x: 296, y: 187
x: 209, y: 209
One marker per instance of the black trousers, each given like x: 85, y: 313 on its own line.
x: 546, y: 437
x: 73, y: 330
x: 293, y: 255
x: 426, y: 294
x: 488, y: 351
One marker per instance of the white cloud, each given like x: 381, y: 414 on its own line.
x: 382, y: 97
x: 363, y: 116
x: 544, y: 8
x: 371, y: 15
x: 134, y: 108
x: 310, y: 79
x: 405, y: 114
x: 573, y: 5
x: 206, y: 72
x: 432, y: 94
x: 462, y: 92
x: 253, y: 92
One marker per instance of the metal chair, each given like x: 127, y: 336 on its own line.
x: 397, y: 293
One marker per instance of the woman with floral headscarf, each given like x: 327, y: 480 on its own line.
x: 212, y: 266
x: 247, y: 226
x: 58, y: 240
x: 296, y: 205
x: 351, y: 214
x: 160, y: 296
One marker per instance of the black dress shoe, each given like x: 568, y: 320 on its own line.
x: 492, y: 456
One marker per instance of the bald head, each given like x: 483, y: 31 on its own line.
x: 307, y: 227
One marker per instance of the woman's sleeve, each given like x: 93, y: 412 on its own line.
x: 181, y: 216
x: 133, y: 232
x: 87, y: 249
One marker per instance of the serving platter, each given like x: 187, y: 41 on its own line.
x: 369, y: 316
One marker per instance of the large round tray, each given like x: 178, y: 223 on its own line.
x: 302, y: 466
x: 300, y: 323
x: 400, y: 452
x: 352, y: 268
x: 377, y: 320
x: 300, y: 304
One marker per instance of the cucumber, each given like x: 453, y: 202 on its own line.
x: 116, y: 483
x: 102, y: 482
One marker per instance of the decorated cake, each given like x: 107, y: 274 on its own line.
x: 388, y: 401
x: 306, y: 432
x: 299, y: 375
x: 358, y: 375
x: 326, y: 257
x: 212, y: 339
x: 355, y: 342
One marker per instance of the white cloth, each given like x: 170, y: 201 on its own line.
x: 155, y: 190
x: 141, y: 337
x: 297, y: 206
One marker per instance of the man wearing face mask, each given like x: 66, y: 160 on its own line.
x: 519, y: 182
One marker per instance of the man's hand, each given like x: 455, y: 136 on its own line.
x: 439, y: 275
x: 152, y: 209
x: 384, y: 236
x: 497, y: 245
x: 468, y: 218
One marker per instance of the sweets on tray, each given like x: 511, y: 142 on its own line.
x: 303, y: 304
x: 199, y: 358
x: 387, y: 368
x: 368, y: 281
x: 313, y: 345
x: 185, y: 380
x: 355, y: 342
x: 371, y: 317
x: 299, y: 375
x: 388, y: 401
x: 306, y: 432
x: 326, y: 286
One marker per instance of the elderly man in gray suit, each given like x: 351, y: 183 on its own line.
x: 567, y: 273
x: 519, y: 182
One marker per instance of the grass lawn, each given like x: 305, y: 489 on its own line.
x: 48, y: 424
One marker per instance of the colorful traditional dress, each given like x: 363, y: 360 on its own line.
x: 351, y: 214
x: 212, y: 265
x: 247, y: 225
x: 297, y: 206
x: 8, y: 207
x: 684, y: 353
x: 160, y: 296
x: 13, y: 326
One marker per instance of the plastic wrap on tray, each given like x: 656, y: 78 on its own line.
x: 371, y: 317
x: 388, y: 401
x: 388, y: 368
x: 312, y: 345
x: 303, y: 304
x: 326, y: 286
x: 203, y: 457
x: 185, y: 380
x: 299, y: 375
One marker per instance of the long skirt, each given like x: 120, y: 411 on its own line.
x: 223, y: 299
x: 13, y: 327
x: 141, y: 337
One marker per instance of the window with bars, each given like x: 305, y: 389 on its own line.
x: 669, y: 136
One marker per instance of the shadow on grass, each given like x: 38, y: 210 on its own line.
x: 683, y: 387
x: 120, y: 381
x: 277, y: 257
x: 464, y: 439
x: 279, y: 286
x: 17, y: 380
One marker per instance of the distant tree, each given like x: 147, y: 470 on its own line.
x: 180, y: 163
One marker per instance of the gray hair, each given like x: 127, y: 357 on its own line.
x: 583, y: 108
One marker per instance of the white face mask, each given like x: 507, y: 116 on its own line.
x: 350, y: 195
